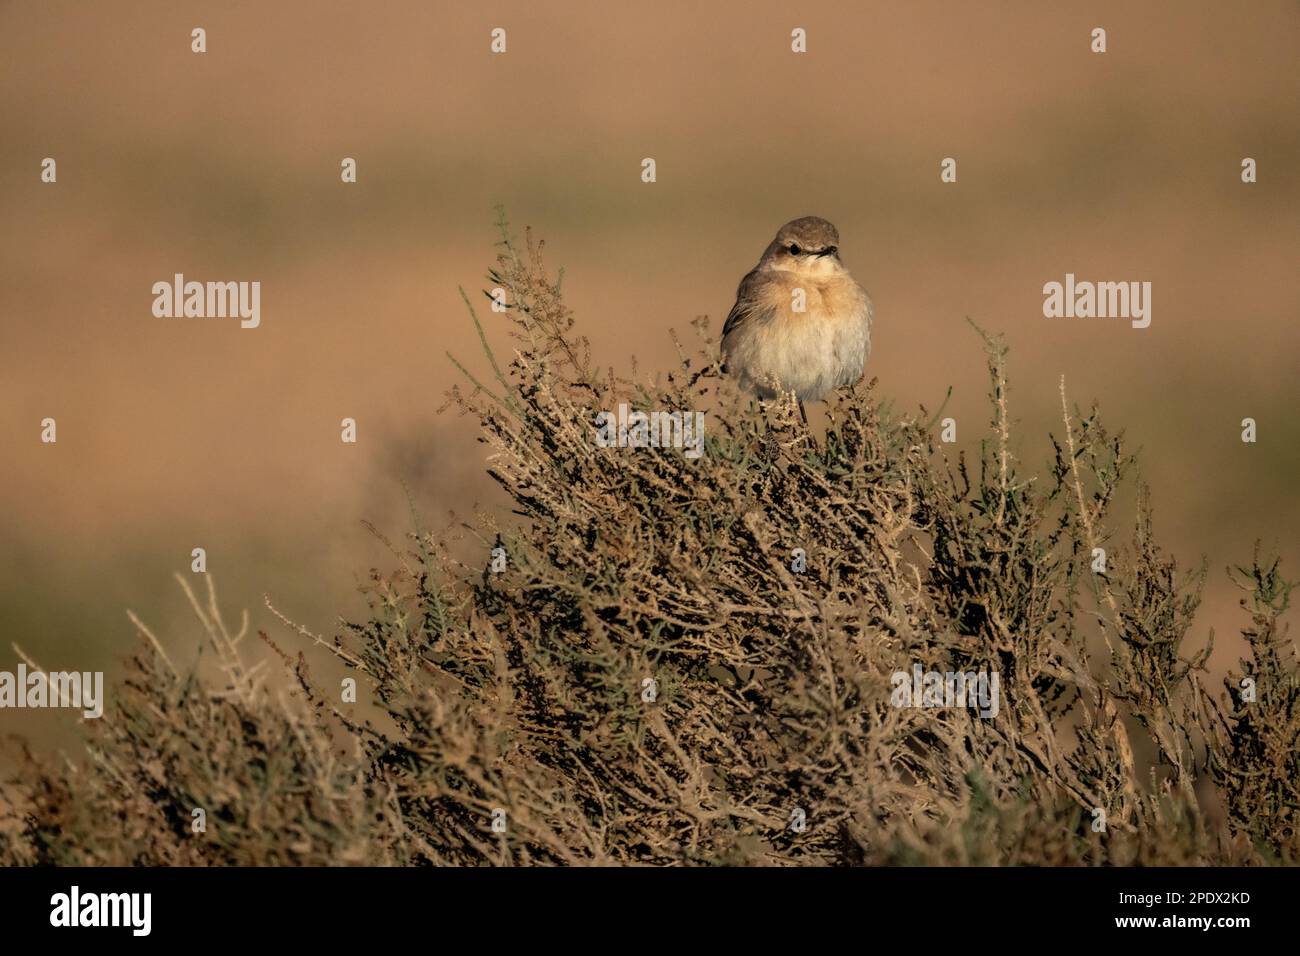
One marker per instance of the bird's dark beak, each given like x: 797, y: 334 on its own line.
x: 830, y: 251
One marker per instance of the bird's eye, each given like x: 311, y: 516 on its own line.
x: 794, y: 249
x: 832, y: 250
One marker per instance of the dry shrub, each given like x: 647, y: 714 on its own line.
x: 524, y: 694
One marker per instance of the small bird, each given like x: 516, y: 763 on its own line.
x: 801, y: 323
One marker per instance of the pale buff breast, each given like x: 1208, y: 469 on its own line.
x: 811, y: 352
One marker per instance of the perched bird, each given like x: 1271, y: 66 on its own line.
x: 801, y: 323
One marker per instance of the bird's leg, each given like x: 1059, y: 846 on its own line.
x: 802, y: 413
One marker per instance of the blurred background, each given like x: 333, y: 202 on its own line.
x: 175, y: 434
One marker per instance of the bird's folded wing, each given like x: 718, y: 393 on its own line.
x: 749, y: 303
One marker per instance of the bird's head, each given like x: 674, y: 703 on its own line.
x: 809, y: 246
